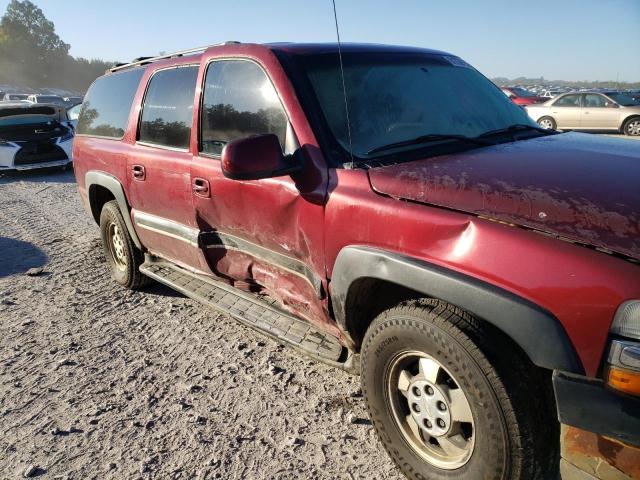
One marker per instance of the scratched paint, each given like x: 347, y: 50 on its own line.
x: 553, y: 184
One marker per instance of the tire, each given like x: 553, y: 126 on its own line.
x: 547, y: 122
x: 506, y: 430
x: 632, y: 127
x: 123, y: 258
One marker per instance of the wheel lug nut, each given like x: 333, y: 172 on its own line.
x: 415, y: 407
x: 428, y: 424
x: 429, y: 390
x: 416, y: 391
x: 442, y: 407
x: 441, y: 423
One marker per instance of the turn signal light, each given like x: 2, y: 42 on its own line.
x: 623, y: 380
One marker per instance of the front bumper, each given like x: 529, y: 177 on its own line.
x: 600, y: 429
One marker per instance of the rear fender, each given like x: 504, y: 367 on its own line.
x: 112, y: 184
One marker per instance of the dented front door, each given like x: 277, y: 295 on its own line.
x: 262, y: 235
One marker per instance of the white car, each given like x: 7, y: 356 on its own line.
x: 34, y: 136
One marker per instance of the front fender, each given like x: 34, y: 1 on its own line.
x: 535, y: 330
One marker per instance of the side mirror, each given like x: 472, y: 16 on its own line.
x: 611, y: 105
x: 256, y: 157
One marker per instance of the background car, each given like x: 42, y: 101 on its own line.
x: 14, y: 97
x: 589, y: 111
x: 522, y: 96
x: 73, y: 100
x: 73, y: 113
x: 49, y: 99
x: 33, y: 136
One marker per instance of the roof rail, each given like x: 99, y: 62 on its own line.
x: 145, y: 60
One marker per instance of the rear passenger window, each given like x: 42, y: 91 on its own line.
x: 239, y: 101
x: 106, y: 107
x: 568, y: 101
x: 167, y: 111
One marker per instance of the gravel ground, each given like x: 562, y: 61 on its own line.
x: 99, y: 382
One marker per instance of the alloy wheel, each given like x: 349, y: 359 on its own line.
x: 430, y: 409
x: 117, y: 246
x: 633, y: 128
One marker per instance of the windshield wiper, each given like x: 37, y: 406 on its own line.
x: 432, y: 137
x: 518, y: 127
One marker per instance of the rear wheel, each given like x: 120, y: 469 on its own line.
x: 547, y: 122
x: 632, y: 127
x: 123, y: 258
x: 448, y: 403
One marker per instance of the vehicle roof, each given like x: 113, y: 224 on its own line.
x: 332, y: 47
x: 195, y: 55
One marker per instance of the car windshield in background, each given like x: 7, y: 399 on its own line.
x: 521, y: 92
x: 397, y: 97
x: 622, y: 99
x: 50, y: 99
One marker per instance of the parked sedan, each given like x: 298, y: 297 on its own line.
x: 589, y: 111
x: 33, y: 136
x: 50, y: 99
x: 522, y: 96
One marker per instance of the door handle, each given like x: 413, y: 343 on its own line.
x: 139, y: 172
x: 200, y: 187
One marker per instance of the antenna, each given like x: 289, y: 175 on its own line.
x: 344, y: 88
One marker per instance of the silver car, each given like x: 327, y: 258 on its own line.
x: 589, y: 111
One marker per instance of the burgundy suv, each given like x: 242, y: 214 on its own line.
x: 403, y: 220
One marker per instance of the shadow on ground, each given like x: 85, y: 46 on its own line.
x: 17, y: 256
x: 41, y: 175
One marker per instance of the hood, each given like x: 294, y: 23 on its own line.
x: 579, y: 186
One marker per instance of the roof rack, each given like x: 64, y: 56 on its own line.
x: 145, y: 60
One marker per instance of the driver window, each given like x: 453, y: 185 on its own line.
x: 592, y: 100
x: 239, y: 101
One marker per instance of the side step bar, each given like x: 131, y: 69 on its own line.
x: 253, y: 311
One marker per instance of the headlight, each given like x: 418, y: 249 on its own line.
x: 626, y: 322
x: 66, y: 136
x: 623, y: 372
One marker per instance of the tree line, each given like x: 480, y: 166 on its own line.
x: 33, y: 55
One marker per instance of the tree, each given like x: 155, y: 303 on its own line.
x: 33, y: 55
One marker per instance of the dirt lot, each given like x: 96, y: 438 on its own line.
x: 98, y: 382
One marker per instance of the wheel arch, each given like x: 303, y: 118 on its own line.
x: 99, y: 186
x: 359, y: 269
x: 626, y: 119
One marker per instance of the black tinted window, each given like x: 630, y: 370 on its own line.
x: 167, y: 112
x: 239, y: 101
x: 107, y: 104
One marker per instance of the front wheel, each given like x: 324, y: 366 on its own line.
x: 445, y: 408
x: 547, y: 123
x: 632, y: 127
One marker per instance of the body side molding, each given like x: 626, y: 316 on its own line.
x: 534, y: 329
x: 112, y: 184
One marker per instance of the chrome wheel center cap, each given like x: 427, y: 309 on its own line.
x: 429, y: 408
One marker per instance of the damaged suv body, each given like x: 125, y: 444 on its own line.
x: 34, y: 136
x: 389, y: 211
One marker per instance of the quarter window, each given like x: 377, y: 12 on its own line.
x: 167, y: 112
x: 568, y: 101
x: 239, y: 101
x: 106, y: 107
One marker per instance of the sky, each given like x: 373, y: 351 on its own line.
x: 557, y: 39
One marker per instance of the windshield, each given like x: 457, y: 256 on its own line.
x: 395, y: 97
x: 522, y: 92
x: 622, y: 99
x: 50, y: 99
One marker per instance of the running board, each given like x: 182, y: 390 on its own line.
x: 254, y: 312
